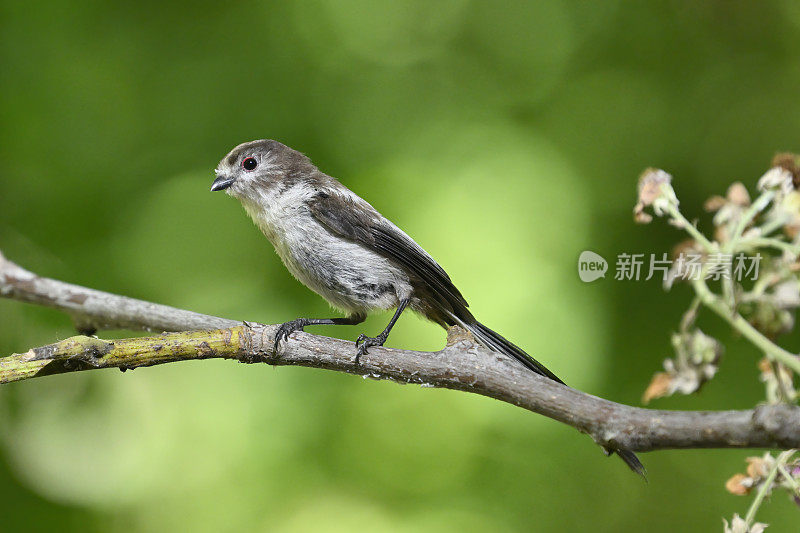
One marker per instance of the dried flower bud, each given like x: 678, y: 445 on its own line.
x: 780, y: 384
x: 696, y: 362
x: 714, y: 203
x: 737, y: 194
x: 703, y: 349
x: 654, y: 190
x: 791, y: 163
x: 778, y: 179
x: 773, y: 312
x: 650, y: 183
x: 687, y: 262
x: 739, y: 525
x: 660, y: 386
x: 739, y: 484
x: 757, y: 468
x: 785, y: 213
x: 729, y: 211
x: 770, y: 320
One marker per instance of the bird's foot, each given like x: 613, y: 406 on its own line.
x: 287, y: 328
x: 363, y: 343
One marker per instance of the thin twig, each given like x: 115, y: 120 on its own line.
x: 766, y: 485
x: 690, y: 228
x: 789, y: 479
x: 772, y: 350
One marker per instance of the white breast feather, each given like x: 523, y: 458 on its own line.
x: 327, y: 264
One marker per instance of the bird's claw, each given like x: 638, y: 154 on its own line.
x: 364, y: 343
x: 286, y: 329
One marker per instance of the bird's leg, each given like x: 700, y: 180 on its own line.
x: 287, y: 328
x: 365, y: 342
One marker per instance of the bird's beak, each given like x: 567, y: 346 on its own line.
x: 221, y: 183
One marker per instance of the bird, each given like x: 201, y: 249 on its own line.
x: 342, y: 248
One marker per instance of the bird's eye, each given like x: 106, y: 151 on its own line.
x: 249, y: 163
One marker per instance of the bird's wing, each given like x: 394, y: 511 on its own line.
x: 354, y: 219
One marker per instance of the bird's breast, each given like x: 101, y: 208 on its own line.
x: 348, y: 275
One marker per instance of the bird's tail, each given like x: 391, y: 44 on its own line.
x: 632, y: 461
x: 494, y: 341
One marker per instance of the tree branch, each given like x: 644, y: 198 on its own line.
x: 462, y: 365
x: 93, y: 310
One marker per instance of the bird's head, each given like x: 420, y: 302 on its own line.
x: 256, y: 167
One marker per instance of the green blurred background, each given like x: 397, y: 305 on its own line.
x: 504, y: 137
